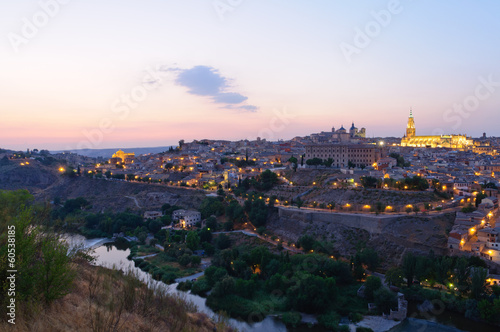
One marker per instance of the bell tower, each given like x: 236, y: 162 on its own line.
x: 410, y: 128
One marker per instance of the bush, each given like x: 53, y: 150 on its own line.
x: 329, y: 320
x: 169, y: 278
x: 185, y: 285
x: 200, y: 287
x: 291, y: 318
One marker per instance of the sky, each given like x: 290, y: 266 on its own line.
x: 122, y: 73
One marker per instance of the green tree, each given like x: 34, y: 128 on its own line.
x: 154, y: 226
x: 369, y: 181
x: 314, y: 162
x: 193, y: 240
x: 370, y: 258
x: 409, y: 266
x: 371, y: 285
x: 385, y: 300
x: 306, y: 242
x: 394, y: 276
x: 184, y: 260
x: 478, y: 282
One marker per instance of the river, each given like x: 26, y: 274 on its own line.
x: 112, y: 255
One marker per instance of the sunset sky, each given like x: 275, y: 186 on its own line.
x: 122, y: 73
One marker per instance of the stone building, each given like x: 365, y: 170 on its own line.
x: 342, y: 154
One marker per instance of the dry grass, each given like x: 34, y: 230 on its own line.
x: 106, y: 300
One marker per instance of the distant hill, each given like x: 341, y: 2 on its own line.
x: 107, y: 153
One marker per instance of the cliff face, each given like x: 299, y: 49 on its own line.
x: 389, y: 235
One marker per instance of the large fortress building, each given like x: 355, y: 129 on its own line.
x: 458, y: 142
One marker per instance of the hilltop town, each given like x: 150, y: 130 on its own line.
x: 337, y: 193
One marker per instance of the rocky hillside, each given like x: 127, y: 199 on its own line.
x: 46, y: 184
x: 390, y: 236
x: 32, y: 176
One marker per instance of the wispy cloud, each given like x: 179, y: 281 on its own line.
x: 208, y: 82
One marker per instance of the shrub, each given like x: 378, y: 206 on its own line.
x: 200, y: 287
x: 329, y: 320
x: 291, y: 318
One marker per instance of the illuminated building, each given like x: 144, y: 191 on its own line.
x: 458, y: 142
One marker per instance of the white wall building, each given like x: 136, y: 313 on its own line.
x: 186, y: 218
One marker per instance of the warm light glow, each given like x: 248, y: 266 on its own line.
x: 61, y: 169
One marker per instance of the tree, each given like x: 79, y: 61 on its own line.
x: 385, y: 300
x: 306, y: 242
x: 461, y: 275
x: 371, y: 285
x: 211, y: 224
x: 328, y: 162
x: 369, y: 181
x: 42, y: 259
x: 409, y: 265
x: 154, y: 226
x: 193, y: 240
x: 478, y: 282
x: 479, y: 198
x: 205, y: 235
x: 370, y: 258
x: 184, y: 260
x: 195, y: 261
x: 314, y: 162
x: 299, y: 203
x: 394, y: 276
x: 223, y: 242
x: 416, y: 209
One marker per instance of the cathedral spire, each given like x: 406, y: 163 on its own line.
x: 410, y: 128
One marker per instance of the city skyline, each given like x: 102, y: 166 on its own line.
x: 123, y: 74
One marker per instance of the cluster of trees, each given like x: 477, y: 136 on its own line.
x: 263, y: 182
x: 317, y: 161
x: 465, y: 279
x: 410, y: 183
x: 452, y: 272
x: 241, y: 280
x: 413, y: 183
x: 42, y: 262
